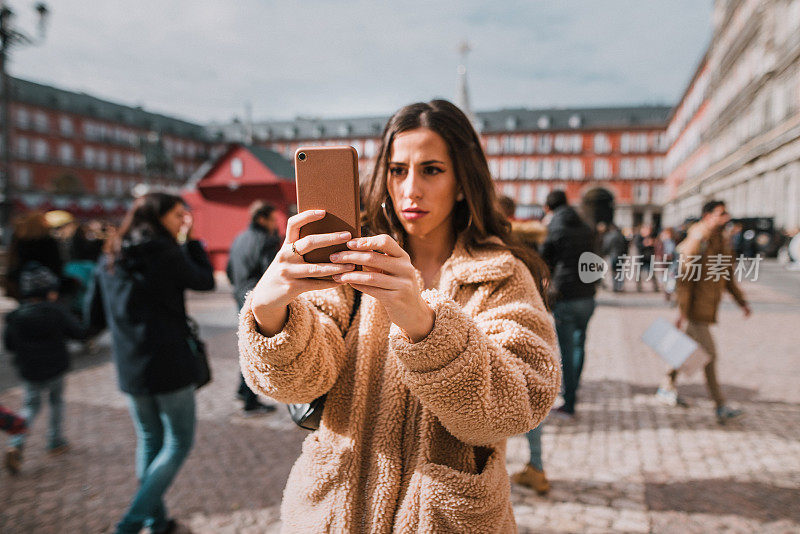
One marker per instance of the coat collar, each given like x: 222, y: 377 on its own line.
x: 479, y: 265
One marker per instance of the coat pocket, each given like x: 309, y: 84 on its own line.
x: 321, y: 467
x: 455, y: 501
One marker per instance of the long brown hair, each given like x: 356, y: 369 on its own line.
x: 477, y: 217
x: 142, y: 222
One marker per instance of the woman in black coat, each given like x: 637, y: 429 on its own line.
x: 138, y: 292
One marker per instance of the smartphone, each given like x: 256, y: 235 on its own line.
x: 327, y: 179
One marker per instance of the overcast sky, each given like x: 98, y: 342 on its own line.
x: 203, y: 60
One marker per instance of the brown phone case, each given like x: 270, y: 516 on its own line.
x: 327, y: 179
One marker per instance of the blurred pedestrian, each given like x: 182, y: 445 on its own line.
x: 31, y: 241
x: 449, y: 353
x: 36, y: 334
x: 251, y: 253
x: 138, y: 292
x: 665, y: 254
x: 568, y: 236
x: 644, y: 243
x: 699, y: 294
x: 615, y: 247
x: 532, y: 475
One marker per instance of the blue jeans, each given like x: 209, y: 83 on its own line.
x: 535, y: 445
x: 54, y: 388
x: 165, y: 432
x: 572, y: 318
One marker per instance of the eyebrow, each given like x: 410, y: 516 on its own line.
x: 423, y: 163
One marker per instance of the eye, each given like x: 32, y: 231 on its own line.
x: 396, y: 171
x: 433, y: 170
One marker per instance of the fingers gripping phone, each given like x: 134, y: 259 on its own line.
x: 327, y: 179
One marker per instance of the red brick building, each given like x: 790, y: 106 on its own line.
x: 77, y: 152
x: 530, y: 152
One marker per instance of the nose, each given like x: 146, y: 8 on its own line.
x: 412, y: 185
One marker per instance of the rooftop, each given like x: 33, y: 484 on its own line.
x: 50, y: 97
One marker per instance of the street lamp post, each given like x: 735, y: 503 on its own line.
x: 10, y: 36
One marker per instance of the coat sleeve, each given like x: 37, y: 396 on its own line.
x: 488, y: 376
x: 190, y: 267
x: 303, y: 361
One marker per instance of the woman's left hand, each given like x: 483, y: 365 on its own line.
x: 389, y: 277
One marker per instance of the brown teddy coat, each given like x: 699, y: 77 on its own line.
x: 413, y: 435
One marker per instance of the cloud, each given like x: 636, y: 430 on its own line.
x: 203, y: 60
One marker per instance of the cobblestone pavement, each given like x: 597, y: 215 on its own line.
x: 626, y: 464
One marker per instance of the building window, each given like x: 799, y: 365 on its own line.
x: 88, y: 156
x: 560, y: 143
x: 641, y: 194
x: 131, y: 163
x: 545, y: 144
x: 625, y: 143
x: 66, y: 154
x: 602, y: 144
x: 562, y: 168
x: 530, y: 144
x: 23, y: 118
x: 541, y: 193
x: 66, y: 127
x: 547, y: 169
x: 576, y: 143
x: 493, y: 145
x: 41, y: 150
x: 370, y: 147
x: 626, y: 168
x: 642, y: 167
x: 509, y: 189
x: 641, y: 143
x: 102, y: 159
x: 508, y: 144
x: 526, y: 193
x: 23, y: 147
x: 494, y: 168
x: 659, y: 194
x: 576, y: 168
x: 543, y: 122
x: 101, y: 185
x: 519, y: 144
x: 531, y: 168
x: 41, y: 122
x: 23, y: 178
x: 116, y: 161
x: 601, y: 168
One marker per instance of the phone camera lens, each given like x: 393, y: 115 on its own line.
x: 301, y: 156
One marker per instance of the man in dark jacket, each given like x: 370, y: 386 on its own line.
x: 251, y: 253
x: 572, y: 300
x: 36, y: 333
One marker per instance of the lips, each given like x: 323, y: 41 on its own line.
x: 412, y: 214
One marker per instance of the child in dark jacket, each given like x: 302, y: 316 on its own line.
x: 36, y: 334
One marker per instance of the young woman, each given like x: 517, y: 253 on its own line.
x: 450, y: 352
x: 138, y: 291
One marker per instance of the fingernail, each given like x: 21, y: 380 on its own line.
x: 335, y: 257
x: 319, y: 212
x: 337, y: 277
x: 352, y: 243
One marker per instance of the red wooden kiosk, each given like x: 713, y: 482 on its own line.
x: 220, y: 196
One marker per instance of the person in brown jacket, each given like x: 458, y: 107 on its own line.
x: 450, y: 352
x: 706, y: 269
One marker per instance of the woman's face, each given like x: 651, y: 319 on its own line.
x: 421, y: 182
x: 173, y: 220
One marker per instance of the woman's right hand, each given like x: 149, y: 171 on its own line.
x: 289, y: 276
